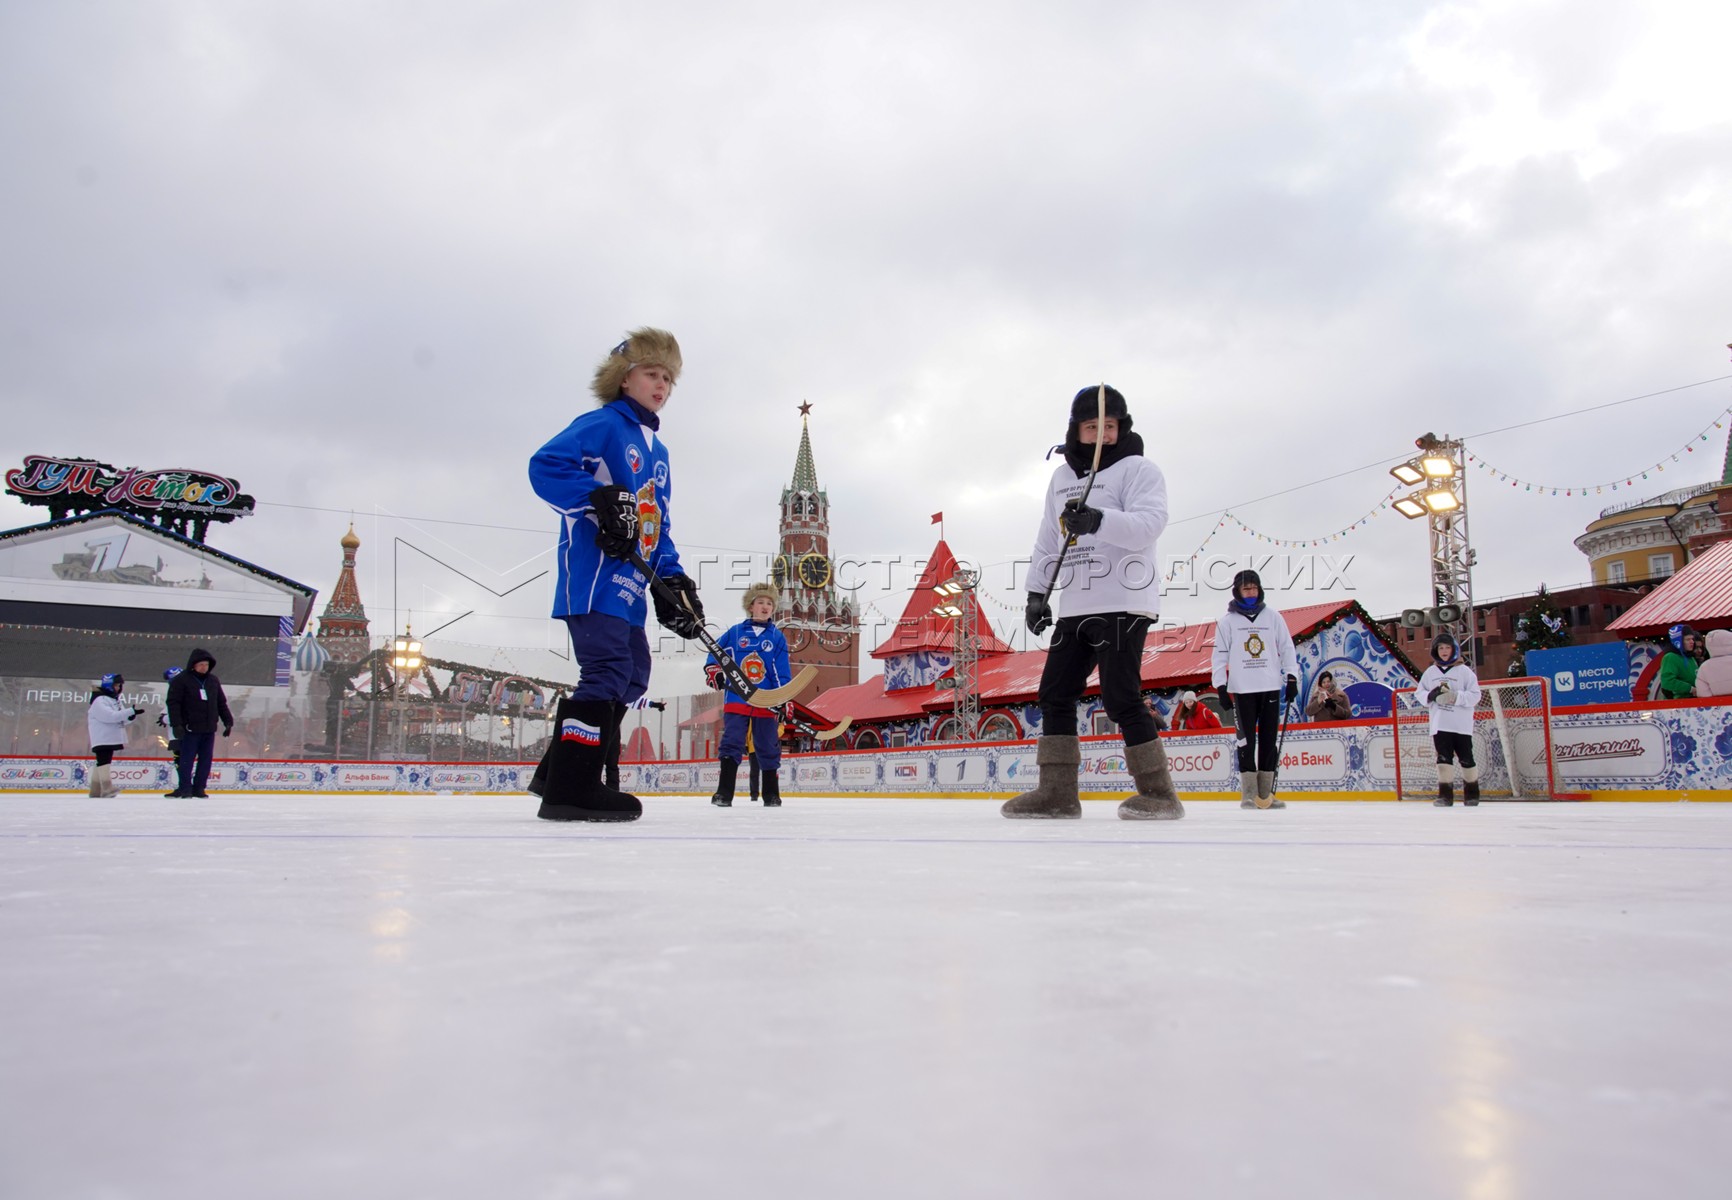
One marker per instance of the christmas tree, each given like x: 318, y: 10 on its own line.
x: 1541, y: 627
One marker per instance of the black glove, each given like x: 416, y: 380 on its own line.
x: 714, y: 676
x: 228, y: 729
x: 1038, y: 615
x: 1226, y: 699
x: 1079, y: 519
x: 683, y: 614
x: 137, y: 713
x: 616, y: 520
x: 1292, y: 693
x: 175, y: 734
x: 1432, y: 695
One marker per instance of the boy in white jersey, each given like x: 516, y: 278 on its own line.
x: 1110, y: 599
x: 1450, y: 690
x: 1256, y: 671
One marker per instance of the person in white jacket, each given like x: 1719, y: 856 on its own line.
x: 1450, y: 691
x: 1714, y: 677
x: 1254, y: 665
x: 1111, y: 595
x: 107, y: 720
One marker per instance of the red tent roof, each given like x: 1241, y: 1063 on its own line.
x: 1700, y: 596
x: 919, y: 628
x: 1172, y: 658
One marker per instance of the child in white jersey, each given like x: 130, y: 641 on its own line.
x: 1451, y: 691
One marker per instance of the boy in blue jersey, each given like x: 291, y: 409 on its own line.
x: 607, y: 476
x: 761, y: 652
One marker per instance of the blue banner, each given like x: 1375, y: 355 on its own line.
x: 1584, y: 674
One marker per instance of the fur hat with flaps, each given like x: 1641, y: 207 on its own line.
x: 768, y: 591
x: 642, y: 348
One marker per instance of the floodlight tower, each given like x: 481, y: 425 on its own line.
x: 1440, y: 470
x: 958, y: 604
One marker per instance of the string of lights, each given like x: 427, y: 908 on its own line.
x: 1630, y: 479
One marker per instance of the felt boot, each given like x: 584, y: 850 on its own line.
x: 1247, y: 789
x: 1266, y: 797
x: 1445, y: 785
x: 97, y: 787
x: 724, y: 795
x: 575, y: 791
x: 610, y: 776
x: 772, y: 785
x: 1470, y: 785
x: 1156, y: 798
x: 1055, y: 796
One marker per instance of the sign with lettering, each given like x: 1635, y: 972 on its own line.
x: 177, y: 499
x: 1596, y: 674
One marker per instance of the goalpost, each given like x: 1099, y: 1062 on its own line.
x: 1512, y: 743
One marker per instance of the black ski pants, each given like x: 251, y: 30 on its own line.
x: 1258, y: 716
x: 1111, y: 643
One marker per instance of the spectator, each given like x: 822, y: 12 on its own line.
x: 1190, y: 713
x: 1678, y: 668
x: 196, y: 705
x: 1328, y: 702
x: 1714, y: 677
x: 108, y: 719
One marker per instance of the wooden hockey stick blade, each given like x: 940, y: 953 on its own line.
x: 831, y: 734
x: 776, y: 697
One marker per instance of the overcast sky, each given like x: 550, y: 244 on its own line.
x: 364, y: 256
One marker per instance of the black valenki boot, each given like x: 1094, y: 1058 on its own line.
x: 575, y: 791
x: 724, y: 797
x: 772, y: 785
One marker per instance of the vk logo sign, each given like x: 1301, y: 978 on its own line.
x: 1564, y: 681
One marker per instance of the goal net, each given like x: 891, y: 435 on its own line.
x: 1512, y: 743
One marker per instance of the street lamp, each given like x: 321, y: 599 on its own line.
x: 959, y: 606
x: 405, y: 659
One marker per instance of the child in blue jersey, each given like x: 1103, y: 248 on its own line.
x: 607, y: 476
x: 761, y: 652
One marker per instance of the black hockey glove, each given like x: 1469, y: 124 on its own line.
x: 1431, y: 696
x: 683, y: 615
x: 616, y: 520
x: 1079, y: 519
x: 1038, y: 615
x: 1226, y: 699
x: 1292, y: 693
x: 714, y: 677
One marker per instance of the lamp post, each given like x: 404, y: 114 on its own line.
x: 1439, y: 471
x: 957, y: 595
x: 405, y: 658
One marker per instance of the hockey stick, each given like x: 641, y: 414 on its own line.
x: 1071, y: 539
x: 1280, y: 748
x: 808, y: 723
x: 754, y: 695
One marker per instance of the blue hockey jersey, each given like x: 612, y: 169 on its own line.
x: 762, y: 654
x: 607, y: 445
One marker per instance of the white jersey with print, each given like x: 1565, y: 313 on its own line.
x: 1252, y: 654
x: 1457, y: 716
x: 1117, y: 568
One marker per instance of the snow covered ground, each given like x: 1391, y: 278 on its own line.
x: 293, y: 996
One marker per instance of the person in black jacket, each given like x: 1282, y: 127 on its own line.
x: 196, y: 705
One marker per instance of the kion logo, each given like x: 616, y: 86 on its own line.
x: 1564, y: 681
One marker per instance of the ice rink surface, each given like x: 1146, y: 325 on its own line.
x: 297, y: 996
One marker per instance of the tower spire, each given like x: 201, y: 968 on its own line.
x: 805, y: 469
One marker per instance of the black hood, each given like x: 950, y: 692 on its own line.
x: 1235, y: 602
x: 200, y: 655
x: 1439, y: 640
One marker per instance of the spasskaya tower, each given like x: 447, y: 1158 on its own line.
x: 822, y: 629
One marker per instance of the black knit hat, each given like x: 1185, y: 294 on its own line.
x: 1244, y: 577
x: 1087, y: 407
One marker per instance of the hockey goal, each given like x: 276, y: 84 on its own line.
x: 1512, y: 743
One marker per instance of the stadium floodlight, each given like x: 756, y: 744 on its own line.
x: 1437, y: 466
x: 1411, y: 506
x: 1409, y: 472
x: 1442, y: 500
x: 406, y: 653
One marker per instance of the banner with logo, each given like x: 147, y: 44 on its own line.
x: 1579, y: 675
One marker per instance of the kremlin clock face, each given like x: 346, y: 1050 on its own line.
x: 815, y: 571
x: 781, y: 569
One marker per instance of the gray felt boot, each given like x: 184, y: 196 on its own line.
x: 1156, y: 798
x: 1055, y: 796
x: 1266, y: 797
x: 1247, y: 789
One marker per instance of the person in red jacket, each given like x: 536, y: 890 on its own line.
x: 1188, y: 713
